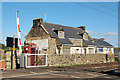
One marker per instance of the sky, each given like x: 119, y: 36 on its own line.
x: 100, y: 18
x: 59, y: 0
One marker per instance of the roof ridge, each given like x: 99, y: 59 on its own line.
x: 63, y: 25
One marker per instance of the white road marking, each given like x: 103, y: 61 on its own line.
x: 107, y: 77
x: 92, y: 74
x: 26, y: 75
x: 53, y: 74
x: 63, y: 75
x: 75, y: 77
x: 58, y: 74
x: 104, y: 74
x: 78, y: 72
x: 33, y: 72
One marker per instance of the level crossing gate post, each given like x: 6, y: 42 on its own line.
x: 12, y: 67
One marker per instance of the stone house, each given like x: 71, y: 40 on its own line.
x: 57, y: 39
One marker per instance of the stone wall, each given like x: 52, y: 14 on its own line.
x: 71, y: 59
x: 52, y: 46
x: 1, y: 54
x: 7, y: 58
x: 66, y: 49
x: 76, y: 42
x: 36, y: 32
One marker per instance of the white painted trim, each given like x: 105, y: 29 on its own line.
x: 105, y: 50
x: 112, y: 49
x: 45, y: 29
x: 61, y: 50
x: 87, y: 50
x: 63, y: 34
x: 81, y: 50
x: 56, y: 50
x: 34, y: 66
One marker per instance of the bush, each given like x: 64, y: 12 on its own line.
x: 117, y: 59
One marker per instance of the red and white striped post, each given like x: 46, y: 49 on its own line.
x: 19, y: 39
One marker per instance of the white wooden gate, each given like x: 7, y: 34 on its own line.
x: 41, y: 60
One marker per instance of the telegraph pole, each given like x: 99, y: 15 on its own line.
x: 13, y: 52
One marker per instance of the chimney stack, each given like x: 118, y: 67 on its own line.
x: 82, y: 27
x: 37, y: 22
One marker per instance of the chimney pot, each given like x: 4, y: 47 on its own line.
x: 102, y: 39
x: 82, y: 27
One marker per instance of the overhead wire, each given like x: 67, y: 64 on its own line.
x: 98, y: 10
x: 95, y: 9
x: 97, y: 3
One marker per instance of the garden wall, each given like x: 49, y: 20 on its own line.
x: 72, y: 59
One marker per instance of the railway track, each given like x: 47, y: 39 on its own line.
x: 102, y: 67
x: 95, y: 71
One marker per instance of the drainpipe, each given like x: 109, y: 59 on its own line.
x: 62, y: 49
x: 81, y: 45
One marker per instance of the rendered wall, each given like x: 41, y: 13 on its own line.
x: 41, y: 43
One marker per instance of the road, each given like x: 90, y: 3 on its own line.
x: 61, y: 73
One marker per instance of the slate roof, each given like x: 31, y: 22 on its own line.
x: 89, y: 42
x: 71, y: 32
x: 101, y: 43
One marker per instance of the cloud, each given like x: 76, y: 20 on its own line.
x: 93, y: 33
x: 112, y: 33
x: 24, y: 34
x: 102, y: 34
x: 111, y: 37
x: 2, y: 41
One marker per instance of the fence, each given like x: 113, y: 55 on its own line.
x: 33, y: 60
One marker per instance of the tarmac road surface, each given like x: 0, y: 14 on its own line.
x: 62, y: 73
x: 39, y: 74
